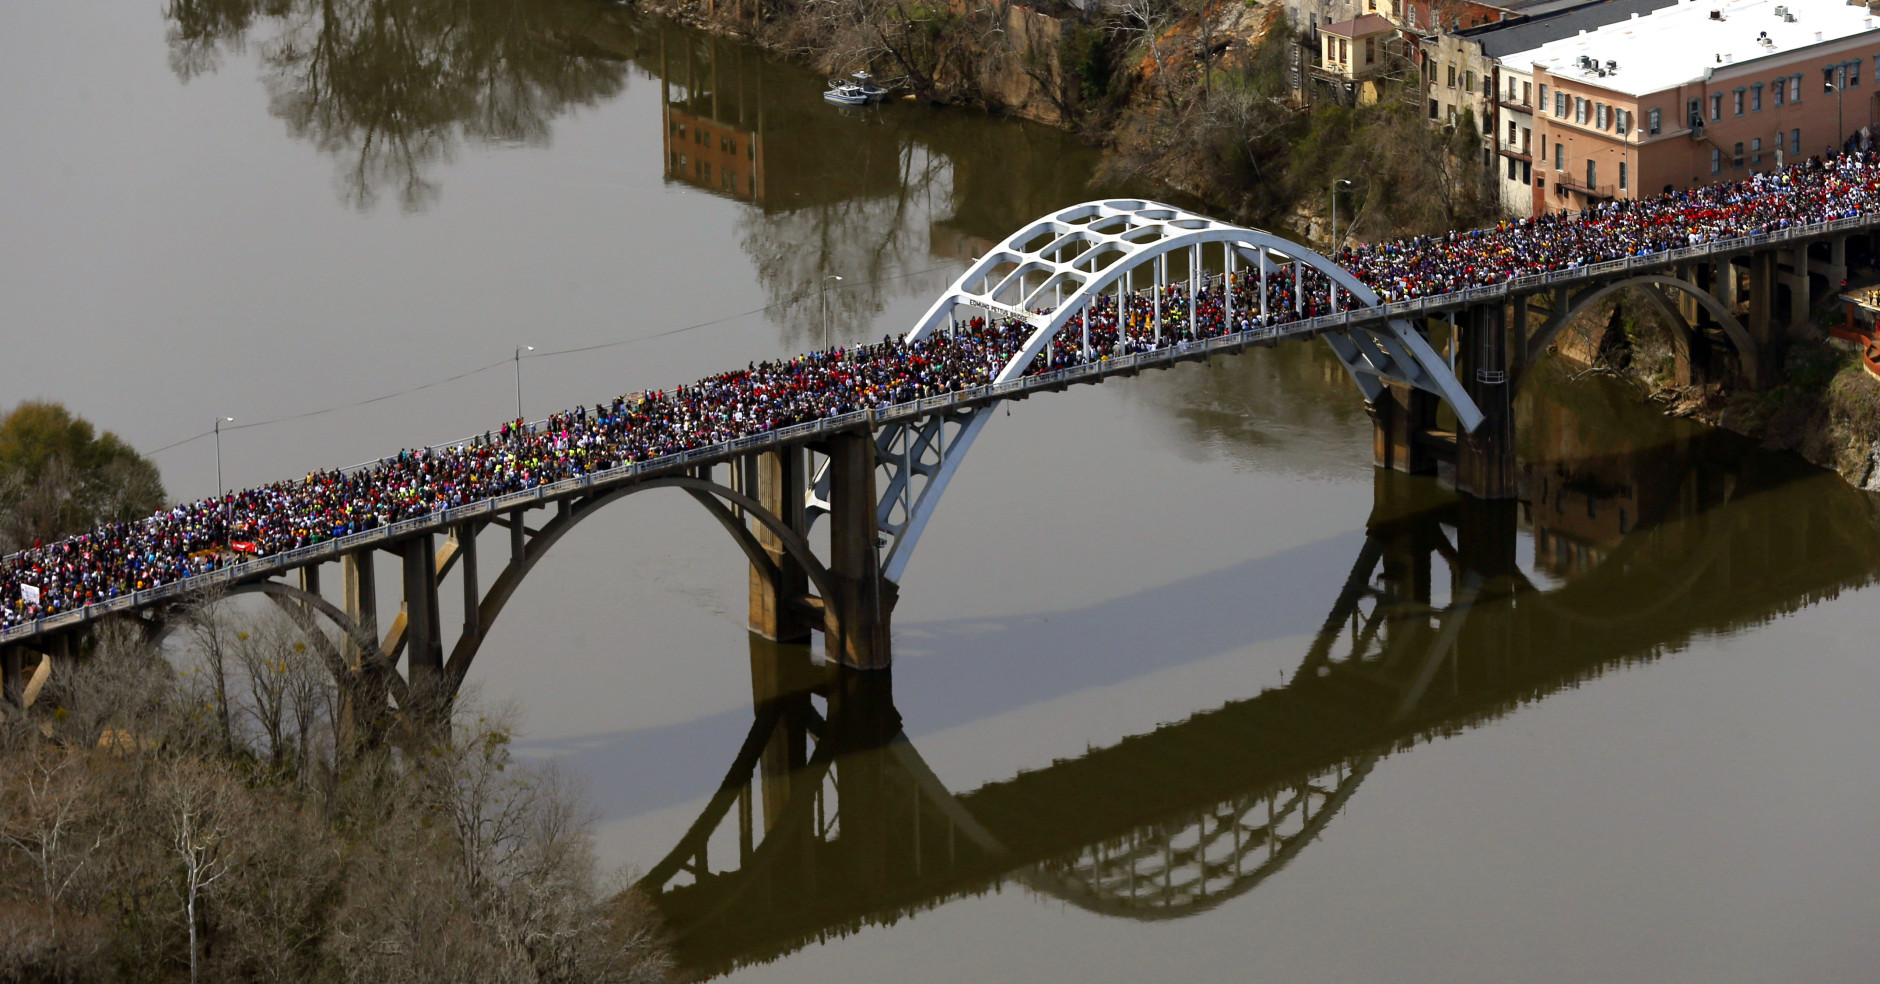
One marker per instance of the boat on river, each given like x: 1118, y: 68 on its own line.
x: 858, y: 89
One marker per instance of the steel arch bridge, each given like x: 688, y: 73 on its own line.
x: 1061, y: 271
x: 1173, y: 285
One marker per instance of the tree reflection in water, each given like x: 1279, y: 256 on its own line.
x: 390, y: 88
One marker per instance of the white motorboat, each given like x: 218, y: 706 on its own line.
x: 842, y: 92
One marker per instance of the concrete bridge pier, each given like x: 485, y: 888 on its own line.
x: 1402, y: 419
x: 424, y: 646
x: 777, y: 480
x: 1485, y: 466
x: 856, y: 620
x: 1762, y: 315
x: 364, y: 697
x: 12, y: 675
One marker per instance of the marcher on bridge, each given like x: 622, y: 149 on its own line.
x: 197, y: 537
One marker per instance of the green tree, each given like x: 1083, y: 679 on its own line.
x: 59, y: 476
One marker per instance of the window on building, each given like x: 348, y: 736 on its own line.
x: 1827, y: 79
x: 1716, y: 160
x: 1655, y: 119
x: 1488, y: 126
x: 1468, y: 81
x: 1853, y: 74
x: 1452, y: 75
x: 1579, y: 110
x: 1755, y: 98
x: 1560, y: 105
x: 1592, y: 173
x: 1371, y: 5
x: 1544, y: 91
x: 1527, y: 173
x: 1779, y: 91
x: 1452, y: 115
x: 1599, y: 115
x: 1755, y: 152
x: 1412, y: 17
x: 1795, y: 87
x: 1795, y: 141
x: 1527, y: 139
x: 1736, y: 101
x: 1432, y: 109
x: 1511, y: 164
x: 1560, y: 156
x: 1370, y: 51
x: 1621, y: 175
x: 1716, y: 107
x: 1513, y: 131
x: 1736, y: 156
x: 1527, y: 92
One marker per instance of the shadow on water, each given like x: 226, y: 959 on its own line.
x: 1454, y: 612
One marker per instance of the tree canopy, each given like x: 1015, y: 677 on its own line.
x: 59, y: 475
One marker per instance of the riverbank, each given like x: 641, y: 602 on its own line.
x: 1825, y: 408
x: 1211, y: 125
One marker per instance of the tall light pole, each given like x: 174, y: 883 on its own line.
x: 219, y: 421
x: 519, y: 350
x: 1335, y: 184
x: 822, y: 295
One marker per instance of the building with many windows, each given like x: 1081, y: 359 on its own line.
x: 1699, y: 92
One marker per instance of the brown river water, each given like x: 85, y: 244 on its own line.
x: 1185, y: 690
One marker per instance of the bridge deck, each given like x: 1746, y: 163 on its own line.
x: 1091, y: 372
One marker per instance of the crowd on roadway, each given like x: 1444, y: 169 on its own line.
x: 196, y: 537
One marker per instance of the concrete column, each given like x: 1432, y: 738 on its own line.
x: 1518, y: 337
x: 779, y: 488
x: 424, y: 661
x: 363, y: 694
x: 1798, y: 289
x: 857, y: 618
x: 1762, y: 299
x: 1398, y: 417
x: 1485, y: 458
x: 12, y: 676
x: 1837, y: 263
x: 467, y: 567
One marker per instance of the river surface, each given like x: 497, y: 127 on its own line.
x: 1185, y: 690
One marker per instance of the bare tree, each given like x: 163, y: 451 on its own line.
x: 198, y: 803
x: 49, y: 814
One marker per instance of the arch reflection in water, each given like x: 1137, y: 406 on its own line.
x: 1440, y: 626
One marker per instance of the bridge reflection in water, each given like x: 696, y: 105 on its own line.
x: 828, y: 819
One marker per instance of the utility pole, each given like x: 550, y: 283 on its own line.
x: 519, y: 350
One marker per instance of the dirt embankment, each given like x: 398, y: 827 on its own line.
x: 1824, y: 405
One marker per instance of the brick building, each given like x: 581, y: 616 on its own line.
x: 1699, y: 92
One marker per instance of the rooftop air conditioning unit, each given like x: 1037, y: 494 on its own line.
x: 1781, y: 11
x: 1611, y: 66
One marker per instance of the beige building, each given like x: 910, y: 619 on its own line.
x: 1697, y: 93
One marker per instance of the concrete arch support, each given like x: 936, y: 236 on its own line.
x: 1746, y: 347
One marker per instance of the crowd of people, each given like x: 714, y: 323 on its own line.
x: 200, y: 536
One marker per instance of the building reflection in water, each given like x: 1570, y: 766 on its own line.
x: 828, y: 820
x: 713, y: 115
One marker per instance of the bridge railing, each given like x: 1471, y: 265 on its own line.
x: 260, y: 567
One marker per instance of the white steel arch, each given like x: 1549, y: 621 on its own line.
x: 1055, y: 268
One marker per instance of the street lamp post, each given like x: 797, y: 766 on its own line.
x: 519, y: 350
x: 822, y: 295
x: 1335, y: 184
x: 219, y: 421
